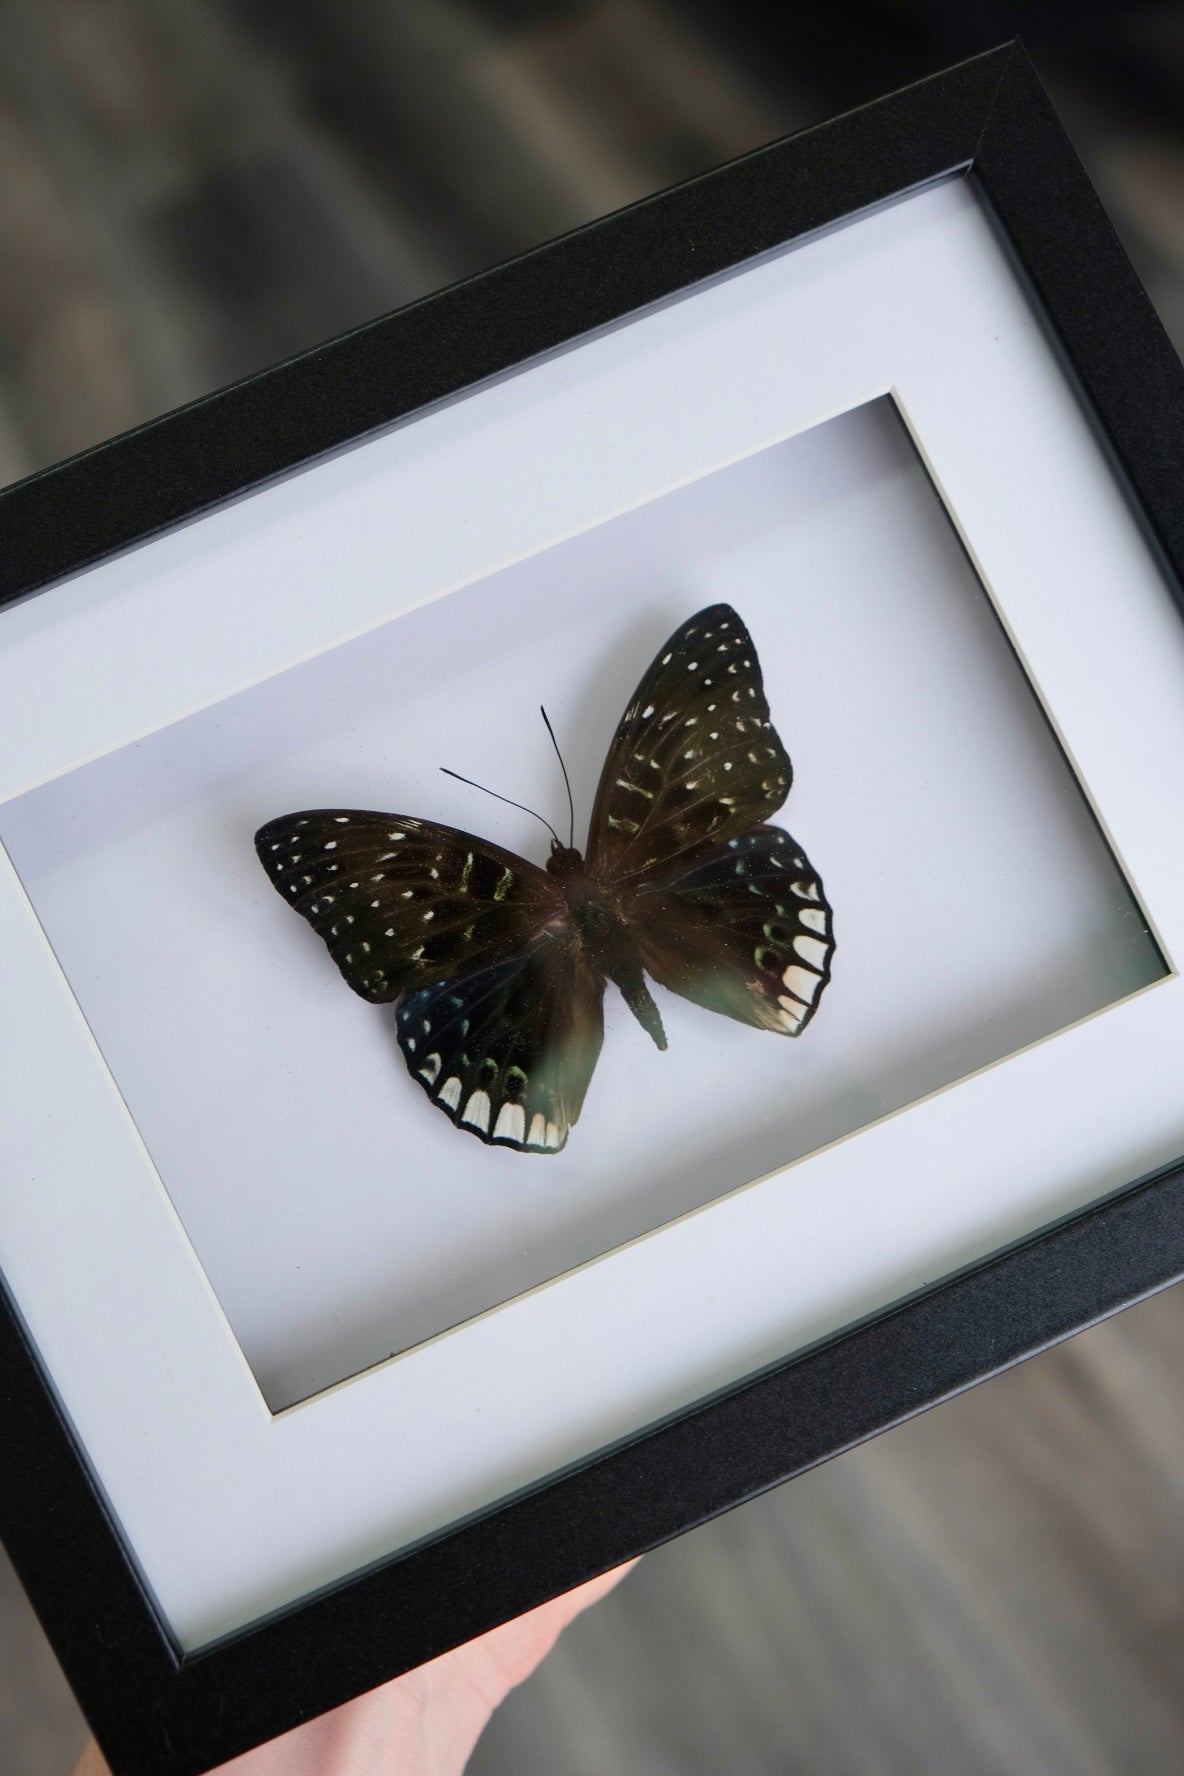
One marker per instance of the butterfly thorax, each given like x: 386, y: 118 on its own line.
x: 565, y: 862
x: 599, y: 924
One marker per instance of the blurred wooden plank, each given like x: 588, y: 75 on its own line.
x: 16, y: 456
x: 68, y: 373
x: 41, y: 1730
x: 623, y: 97
x: 212, y: 227
x: 1142, y: 178
x: 395, y: 88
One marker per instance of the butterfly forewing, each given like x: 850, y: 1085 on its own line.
x: 508, y: 1052
x: 746, y: 931
x: 402, y: 903
x: 695, y: 760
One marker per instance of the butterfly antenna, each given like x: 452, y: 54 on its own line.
x: 502, y: 798
x: 566, y: 780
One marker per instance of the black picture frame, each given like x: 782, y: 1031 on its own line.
x: 157, y: 1712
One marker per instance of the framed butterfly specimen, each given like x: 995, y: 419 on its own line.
x: 498, y: 968
x: 789, y: 1271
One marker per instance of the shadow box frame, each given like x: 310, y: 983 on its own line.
x: 988, y: 126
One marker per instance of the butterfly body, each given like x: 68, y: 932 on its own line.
x: 598, y: 921
x: 498, y: 967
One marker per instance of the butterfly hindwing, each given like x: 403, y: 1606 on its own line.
x: 695, y: 760
x: 507, y: 1052
x: 403, y: 903
x: 746, y: 931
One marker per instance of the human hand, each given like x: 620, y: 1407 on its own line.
x: 423, y: 1724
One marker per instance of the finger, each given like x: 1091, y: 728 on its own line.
x: 506, y: 1655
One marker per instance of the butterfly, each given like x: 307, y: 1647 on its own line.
x: 498, y: 967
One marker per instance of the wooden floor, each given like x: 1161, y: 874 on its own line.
x: 190, y: 189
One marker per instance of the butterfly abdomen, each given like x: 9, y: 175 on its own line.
x: 629, y: 977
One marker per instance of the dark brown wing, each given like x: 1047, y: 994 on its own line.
x: 403, y: 903
x: 507, y: 1052
x: 747, y: 931
x: 695, y: 760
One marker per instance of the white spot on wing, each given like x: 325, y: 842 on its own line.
x: 431, y: 1067
x: 814, y: 917
x: 801, y: 982
x: 511, y: 1124
x: 792, y: 1012
x: 477, y: 1110
x: 449, y: 1092
x: 538, y: 1130
x: 812, y: 950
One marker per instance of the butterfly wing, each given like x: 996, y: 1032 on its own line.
x: 745, y: 930
x: 500, y: 1016
x: 507, y: 1051
x: 405, y: 903
x: 695, y: 761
